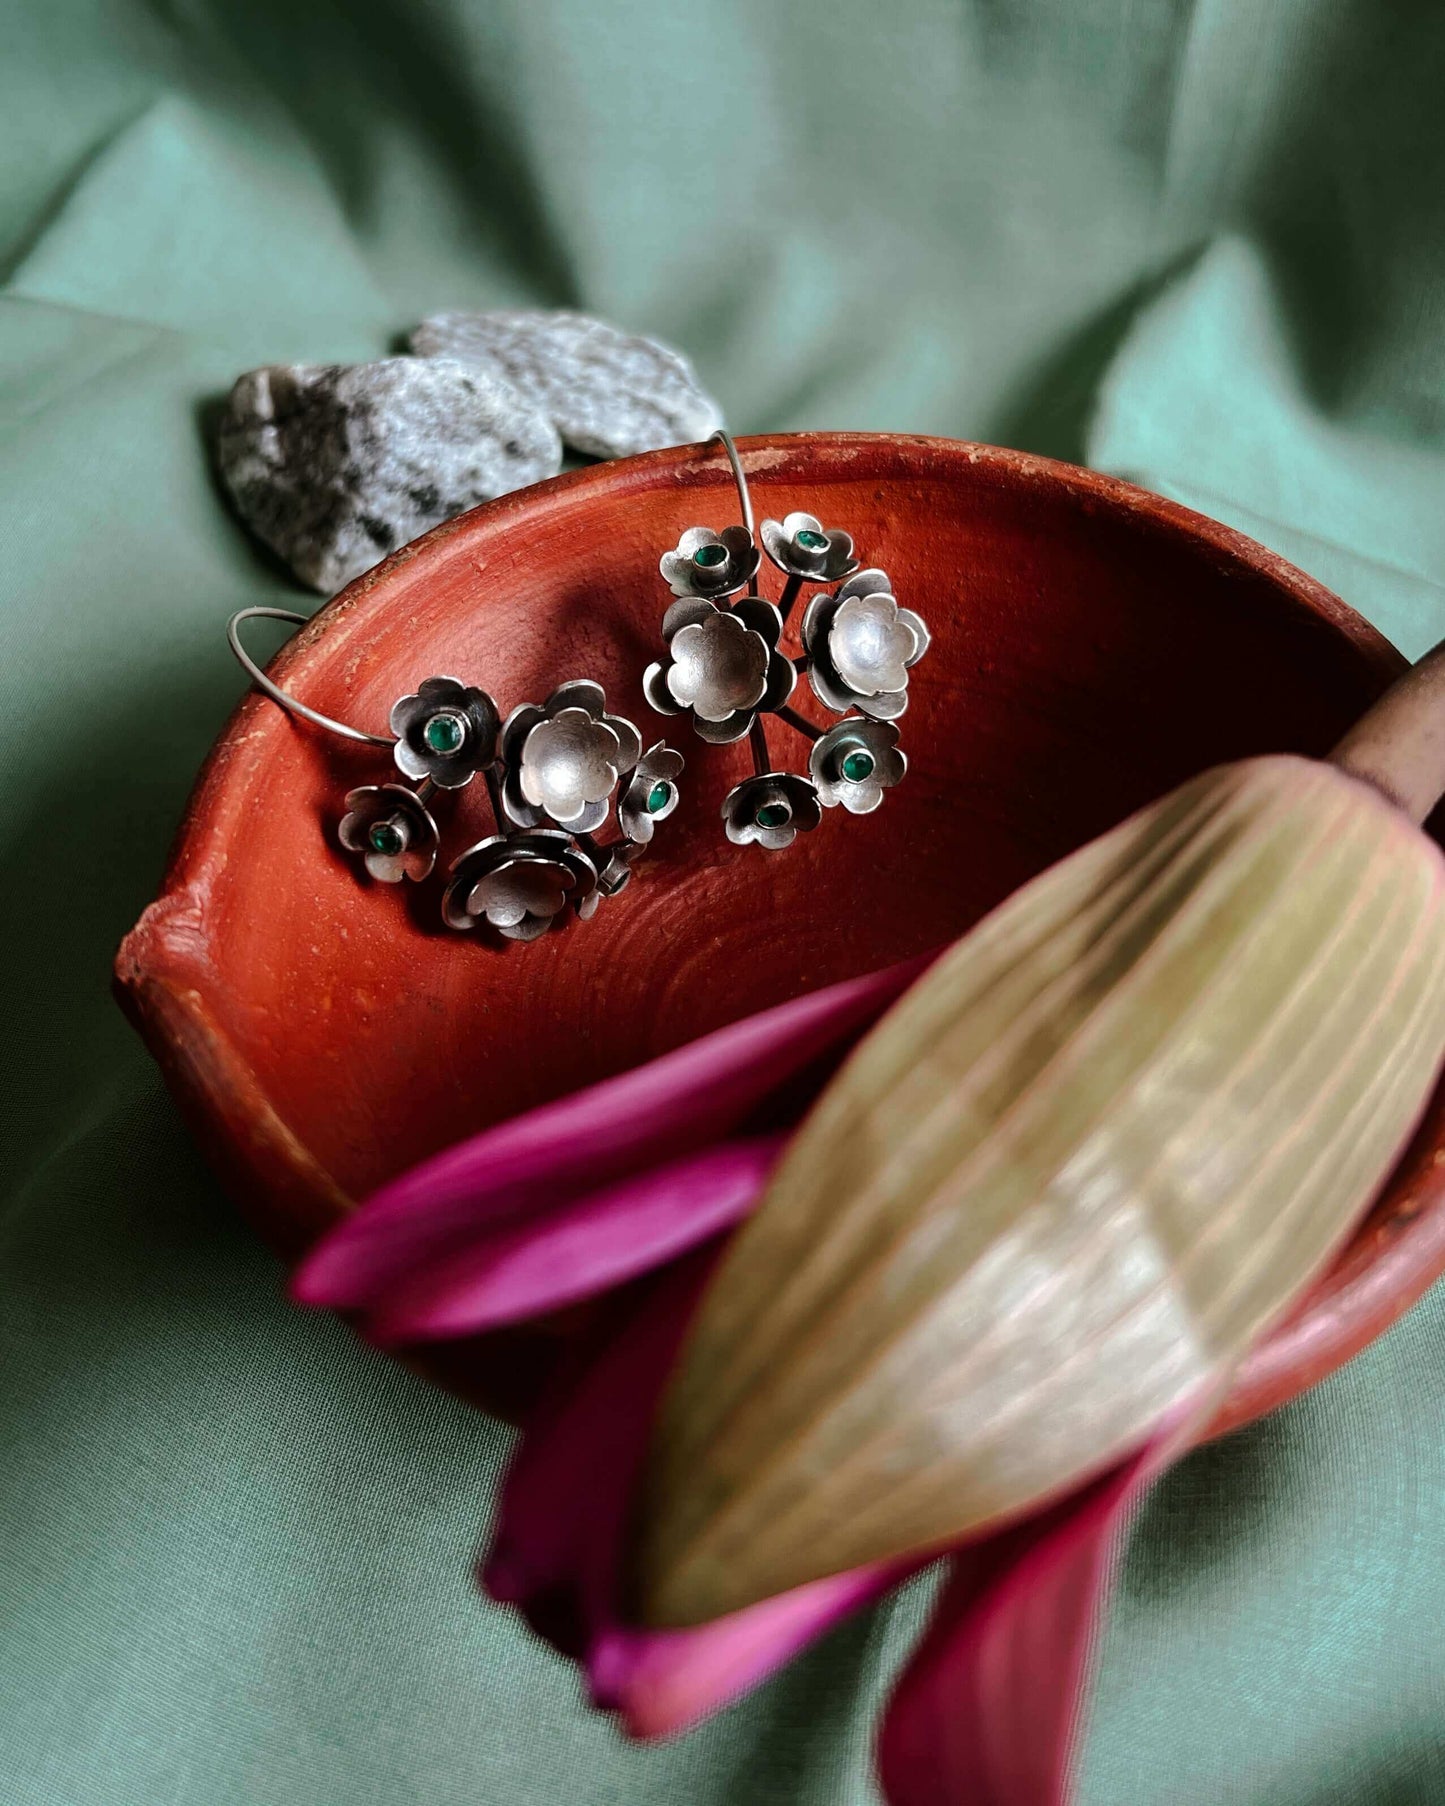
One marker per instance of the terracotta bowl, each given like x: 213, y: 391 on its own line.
x: 1093, y: 646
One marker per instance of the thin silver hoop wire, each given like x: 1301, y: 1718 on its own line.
x: 274, y: 690
x: 725, y: 439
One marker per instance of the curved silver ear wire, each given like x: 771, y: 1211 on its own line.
x: 724, y: 438
x: 274, y: 690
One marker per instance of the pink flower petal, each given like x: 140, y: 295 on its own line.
x: 661, y: 1682
x: 584, y: 1246
x: 558, y: 1548
x: 986, y: 1712
x: 511, y: 1174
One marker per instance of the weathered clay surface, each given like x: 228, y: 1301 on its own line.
x: 335, y: 465
x: 609, y: 393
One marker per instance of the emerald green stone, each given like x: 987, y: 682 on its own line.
x: 773, y: 815
x: 386, y: 838
x: 445, y: 733
x: 709, y: 557
x: 858, y: 765
x: 658, y: 797
x: 811, y: 541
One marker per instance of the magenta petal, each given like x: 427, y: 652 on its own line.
x: 563, y: 1508
x: 536, y: 1162
x: 660, y: 1682
x: 557, y: 1550
x: 985, y: 1713
x: 583, y: 1247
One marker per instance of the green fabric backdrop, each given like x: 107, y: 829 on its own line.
x: 1197, y: 244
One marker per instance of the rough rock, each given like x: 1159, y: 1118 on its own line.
x: 335, y: 465
x: 610, y: 394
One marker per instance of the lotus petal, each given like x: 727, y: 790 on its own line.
x: 558, y: 1551
x: 583, y: 1246
x: 540, y: 1162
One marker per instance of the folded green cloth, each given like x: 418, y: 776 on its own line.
x: 1198, y: 244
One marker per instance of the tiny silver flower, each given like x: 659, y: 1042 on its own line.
x: 710, y: 564
x: 855, y: 762
x: 722, y: 664
x: 563, y: 760
x: 391, y: 828
x: 800, y: 545
x: 519, y: 884
x: 650, y: 797
x: 447, y: 732
x: 862, y: 645
x: 771, y: 809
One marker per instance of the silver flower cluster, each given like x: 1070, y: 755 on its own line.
x: 555, y: 772
x: 723, y: 666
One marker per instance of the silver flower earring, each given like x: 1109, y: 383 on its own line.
x: 724, y: 667
x: 554, y: 773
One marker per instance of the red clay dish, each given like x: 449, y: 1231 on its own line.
x: 1093, y: 645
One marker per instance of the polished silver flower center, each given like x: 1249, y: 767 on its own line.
x: 870, y: 646
x: 569, y: 761
x: 521, y: 888
x: 718, y: 667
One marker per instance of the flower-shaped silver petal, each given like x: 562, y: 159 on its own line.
x: 519, y: 884
x: 722, y: 664
x: 824, y: 563
x: 657, y: 771
x: 568, y: 761
x: 861, y: 646
x: 563, y: 760
x: 475, y: 716
x: 719, y: 666
x: 377, y: 809
x: 878, y: 740
x: 738, y: 565
x: 787, y: 802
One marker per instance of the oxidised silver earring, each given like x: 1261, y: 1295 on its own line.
x: 724, y: 665
x: 552, y: 772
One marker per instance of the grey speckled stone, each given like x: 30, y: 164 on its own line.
x: 335, y: 465
x: 608, y: 394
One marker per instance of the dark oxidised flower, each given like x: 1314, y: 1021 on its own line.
x: 771, y: 809
x: 651, y: 794
x: 801, y: 546
x: 862, y: 645
x: 563, y: 760
x: 722, y: 664
x: 711, y: 564
x: 390, y: 827
x: 447, y: 732
x: 855, y: 762
x: 519, y: 884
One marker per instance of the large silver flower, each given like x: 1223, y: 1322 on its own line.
x: 519, y: 884
x: 705, y: 563
x: 800, y: 545
x: 563, y: 760
x: 862, y: 645
x: 771, y: 810
x: 855, y: 762
x: 722, y: 664
x: 650, y: 796
x: 392, y: 830
x: 446, y: 731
